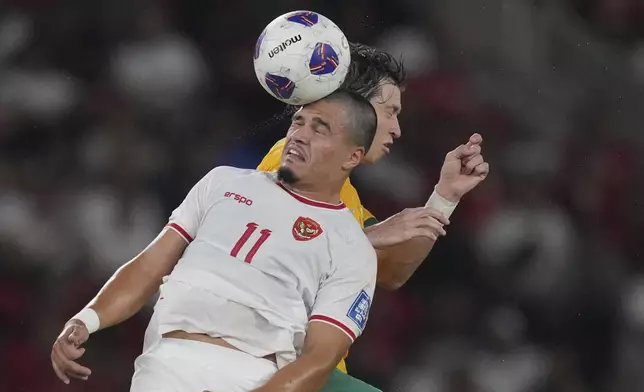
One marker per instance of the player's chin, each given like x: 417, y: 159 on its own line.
x: 373, y: 156
x: 288, y: 174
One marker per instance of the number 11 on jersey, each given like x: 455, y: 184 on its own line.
x: 250, y: 229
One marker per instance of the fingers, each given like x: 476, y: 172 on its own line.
x: 77, y: 371
x: 463, y: 151
x: 433, y: 224
x: 58, y: 372
x: 469, y: 157
x: 475, y: 139
x: 70, y: 346
x: 407, y: 224
x: 456, y: 154
x: 72, y: 352
x: 472, y: 150
x: 62, y: 356
x: 78, y: 335
x: 472, y: 147
x: 425, y: 232
x: 71, y: 368
x: 68, y: 366
x: 437, y: 215
x: 425, y: 212
x: 471, y: 164
x: 428, y: 225
x: 472, y: 161
x: 482, y: 170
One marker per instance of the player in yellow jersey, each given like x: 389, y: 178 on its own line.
x: 404, y: 240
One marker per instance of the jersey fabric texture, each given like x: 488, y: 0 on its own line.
x: 348, y: 195
x: 270, y: 260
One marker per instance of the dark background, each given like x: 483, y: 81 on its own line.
x: 110, y: 110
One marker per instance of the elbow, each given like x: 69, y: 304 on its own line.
x: 390, y: 279
x: 390, y: 283
x: 393, y: 272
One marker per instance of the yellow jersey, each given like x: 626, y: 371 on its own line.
x: 348, y: 194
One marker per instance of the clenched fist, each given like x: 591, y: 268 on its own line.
x: 67, y: 350
x: 464, y: 168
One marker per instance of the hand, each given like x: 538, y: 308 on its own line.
x: 464, y: 168
x: 405, y: 225
x: 67, y: 350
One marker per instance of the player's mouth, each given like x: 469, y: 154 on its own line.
x: 295, y: 154
x: 387, y: 147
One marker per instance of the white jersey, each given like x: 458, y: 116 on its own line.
x: 262, y: 262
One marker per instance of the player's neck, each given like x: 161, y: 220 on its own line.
x: 326, y: 194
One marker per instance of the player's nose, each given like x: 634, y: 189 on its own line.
x: 395, y: 132
x: 302, y: 134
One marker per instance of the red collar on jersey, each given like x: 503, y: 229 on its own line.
x: 310, y: 202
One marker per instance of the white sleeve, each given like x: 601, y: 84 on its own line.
x: 344, y: 298
x: 187, y: 218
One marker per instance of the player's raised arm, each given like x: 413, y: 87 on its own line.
x: 339, y: 316
x: 404, y: 240
x: 134, y: 283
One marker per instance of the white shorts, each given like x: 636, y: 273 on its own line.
x: 178, y: 365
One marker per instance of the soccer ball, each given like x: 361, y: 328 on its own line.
x: 301, y: 57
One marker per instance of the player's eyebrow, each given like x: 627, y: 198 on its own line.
x: 316, y: 120
x: 397, y: 109
x: 319, y: 121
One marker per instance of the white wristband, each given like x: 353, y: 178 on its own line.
x: 89, y: 317
x: 440, y: 204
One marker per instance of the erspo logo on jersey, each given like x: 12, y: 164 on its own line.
x: 359, y: 310
x: 305, y: 229
x: 239, y: 198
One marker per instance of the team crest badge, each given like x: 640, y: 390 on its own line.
x: 305, y: 229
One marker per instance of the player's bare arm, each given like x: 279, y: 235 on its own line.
x: 324, y: 347
x: 404, y: 240
x: 136, y: 281
x: 121, y: 297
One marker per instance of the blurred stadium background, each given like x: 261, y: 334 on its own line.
x: 111, y: 110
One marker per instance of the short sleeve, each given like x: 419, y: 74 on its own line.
x: 272, y: 160
x: 344, y: 298
x: 186, y: 218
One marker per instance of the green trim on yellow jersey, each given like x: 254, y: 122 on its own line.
x: 370, y: 222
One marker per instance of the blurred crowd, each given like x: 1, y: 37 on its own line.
x: 111, y: 110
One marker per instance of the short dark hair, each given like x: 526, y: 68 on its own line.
x: 362, y: 118
x: 370, y: 68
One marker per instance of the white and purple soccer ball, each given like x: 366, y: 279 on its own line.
x: 301, y: 57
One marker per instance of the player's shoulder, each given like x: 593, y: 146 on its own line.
x: 348, y: 190
x: 228, y: 173
x: 231, y: 171
x: 342, y: 218
x: 350, y: 235
x: 351, y: 198
x: 362, y: 242
x: 354, y: 253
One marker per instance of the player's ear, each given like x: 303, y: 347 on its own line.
x: 354, y: 158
